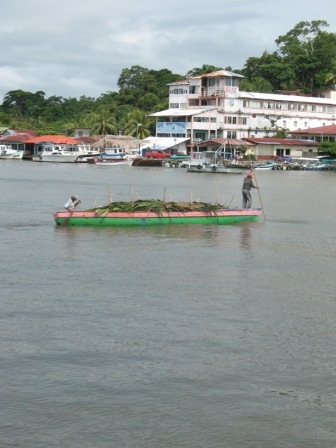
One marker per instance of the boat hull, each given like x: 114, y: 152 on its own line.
x: 213, y: 169
x: 122, y: 219
x: 110, y: 162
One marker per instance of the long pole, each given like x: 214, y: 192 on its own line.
x: 256, y: 181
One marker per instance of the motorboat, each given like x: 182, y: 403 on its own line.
x: 65, y: 153
x: 7, y: 152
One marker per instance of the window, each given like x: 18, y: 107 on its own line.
x: 295, y: 124
x: 200, y: 135
x: 174, y: 105
x: 231, y: 134
x: 246, y: 103
x: 201, y: 119
x: 212, y: 120
x: 256, y: 104
x: 230, y: 120
x: 268, y: 104
x: 192, y: 89
x: 231, y: 82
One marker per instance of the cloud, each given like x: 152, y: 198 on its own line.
x: 73, y: 48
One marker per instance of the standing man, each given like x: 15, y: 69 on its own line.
x: 72, y: 203
x: 247, y: 185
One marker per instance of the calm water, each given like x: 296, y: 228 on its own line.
x: 166, y: 337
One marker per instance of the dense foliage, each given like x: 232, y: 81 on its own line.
x: 305, y: 61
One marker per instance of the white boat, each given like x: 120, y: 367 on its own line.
x: 65, y: 153
x: 112, y: 161
x: 110, y: 153
x: 7, y: 152
x: 266, y: 166
x: 210, y: 162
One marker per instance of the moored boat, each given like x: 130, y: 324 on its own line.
x: 65, y: 153
x: 215, y: 168
x: 7, y: 152
x: 155, y: 212
x: 112, y: 161
x: 210, y: 162
x: 266, y: 166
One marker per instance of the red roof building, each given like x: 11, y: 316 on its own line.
x: 319, y: 134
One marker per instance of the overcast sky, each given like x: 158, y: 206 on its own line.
x: 71, y: 48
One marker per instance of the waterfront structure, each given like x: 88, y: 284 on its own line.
x: 212, y: 106
x: 261, y: 148
x: 319, y: 134
x: 17, y: 139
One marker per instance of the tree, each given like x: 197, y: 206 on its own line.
x: 307, y: 50
x: 138, y: 124
x: 23, y: 103
x: 330, y: 77
x: 198, y: 71
x: 327, y: 147
x: 103, y: 123
x: 269, y: 67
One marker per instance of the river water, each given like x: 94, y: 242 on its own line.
x: 167, y: 337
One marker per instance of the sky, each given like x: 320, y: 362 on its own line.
x: 71, y: 48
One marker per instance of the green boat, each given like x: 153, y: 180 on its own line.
x: 155, y: 212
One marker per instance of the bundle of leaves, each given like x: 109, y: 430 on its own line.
x: 157, y: 206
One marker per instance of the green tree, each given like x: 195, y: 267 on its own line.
x: 307, y: 50
x: 103, y: 122
x: 327, y: 147
x: 197, y: 71
x: 138, y: 124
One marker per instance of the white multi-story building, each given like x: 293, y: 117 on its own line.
x: 212, y: 106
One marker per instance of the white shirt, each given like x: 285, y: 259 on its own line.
x: 70, y: 205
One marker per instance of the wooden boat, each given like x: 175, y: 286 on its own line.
x: 112, y: 161
x: 155, y: 212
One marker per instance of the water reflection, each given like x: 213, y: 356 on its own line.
x: 245, y: 237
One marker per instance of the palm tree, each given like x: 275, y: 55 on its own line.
x: 137, y: 124
x: 330, y: 78
x: 102, y: 123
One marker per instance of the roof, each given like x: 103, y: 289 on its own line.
x: 326, y: 130
x: 179, y: 112
x: 216, y: 74
x: 227, y: 141
x: 57, y: 139
x: 162, y: 142
x: 288, y: 98
x: 115, y: 141
x: 221, y: 73
x: 282, y: 141
x: 17, y: 137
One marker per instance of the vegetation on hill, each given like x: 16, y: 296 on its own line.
x: 305, y: 61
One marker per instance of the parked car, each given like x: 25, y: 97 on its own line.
x: 157, y: 154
